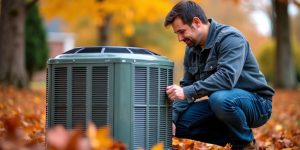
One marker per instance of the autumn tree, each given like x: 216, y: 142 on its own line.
x: 12, y: 63
x: 105, y: 13
x: 285, y: 71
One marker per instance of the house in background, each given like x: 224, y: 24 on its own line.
x: 58, y: 42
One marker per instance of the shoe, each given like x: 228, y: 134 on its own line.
x: 251, y: 146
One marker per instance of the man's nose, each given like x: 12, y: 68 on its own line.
x: 180, y: 38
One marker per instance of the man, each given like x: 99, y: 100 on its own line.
x: 220, y: 65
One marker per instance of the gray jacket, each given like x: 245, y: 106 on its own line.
x: 226, y: 62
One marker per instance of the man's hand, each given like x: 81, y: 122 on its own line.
x: 175, y: 92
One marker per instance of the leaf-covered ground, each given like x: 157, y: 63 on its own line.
x: 22, y: 126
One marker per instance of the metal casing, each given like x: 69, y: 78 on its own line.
x: 122, y: 87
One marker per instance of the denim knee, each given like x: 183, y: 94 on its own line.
x: 220, y: 104
x: 216, y: 100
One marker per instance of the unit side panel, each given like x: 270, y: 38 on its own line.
x: 152, y: 113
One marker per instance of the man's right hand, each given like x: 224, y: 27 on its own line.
x: 175, y: 92
x: 173, y: 129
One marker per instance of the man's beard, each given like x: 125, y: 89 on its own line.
x: 190, y: 43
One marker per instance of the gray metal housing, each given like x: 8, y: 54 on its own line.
x: 122, y: 87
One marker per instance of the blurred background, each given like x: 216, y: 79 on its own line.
x: 34, y: 30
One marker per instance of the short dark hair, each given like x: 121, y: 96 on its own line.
x: 186, y: 10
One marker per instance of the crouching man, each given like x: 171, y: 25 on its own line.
x: 219, y: 65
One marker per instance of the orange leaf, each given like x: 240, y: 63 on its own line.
x: 159, y: 146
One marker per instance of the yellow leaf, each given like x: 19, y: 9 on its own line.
x: 99, y: 138
x: 128, y: 30
x: 278, y: 127
x: 37, y: 100
x: 159, y: 146
x: 92, y: 134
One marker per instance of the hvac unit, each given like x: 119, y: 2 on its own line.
x: 122, y: 87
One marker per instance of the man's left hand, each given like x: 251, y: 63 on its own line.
x: 175, y: 92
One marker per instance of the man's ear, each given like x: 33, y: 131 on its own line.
x: 197, y: 22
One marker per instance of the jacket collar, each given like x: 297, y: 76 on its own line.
x: 210, y: 39
x: 211, y: 34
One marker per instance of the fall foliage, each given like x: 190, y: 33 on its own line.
x: 124, y: 12
x: 22, y: 125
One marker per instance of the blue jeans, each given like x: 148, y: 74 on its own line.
x: 226, y: 117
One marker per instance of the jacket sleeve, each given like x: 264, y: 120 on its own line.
x: 181, y: 105
x: 228, y: 65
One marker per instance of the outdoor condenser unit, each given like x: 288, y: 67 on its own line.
x: 122, y: 87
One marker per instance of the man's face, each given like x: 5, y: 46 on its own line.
x: 188, y: 34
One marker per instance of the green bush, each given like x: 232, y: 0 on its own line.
x: 266, y: 59
x: 36, y: 52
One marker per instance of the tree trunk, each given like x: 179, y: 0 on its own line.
x: 12, y: 61
x: 273, y: 19
x: 285, y: 74
x: 104, y: 31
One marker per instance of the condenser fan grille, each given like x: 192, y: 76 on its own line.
x: 108, y: 49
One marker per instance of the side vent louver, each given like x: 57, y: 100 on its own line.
x: 152, y: 112
x: 100, y: 90
x: 169, y: 112
x: 163, y: 102
x: 47, y: 95
x: 75, y: 105
x: 60, y: 96
x: 153, y: 107
x: 140, y: 107
x: 79, y: 97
